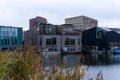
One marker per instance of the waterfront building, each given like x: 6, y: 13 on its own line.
x: 54, y: 38
x: 10, y: 37
x: 101, y: 39
x: 58, y: 38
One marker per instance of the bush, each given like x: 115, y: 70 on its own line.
x: 27, y: 65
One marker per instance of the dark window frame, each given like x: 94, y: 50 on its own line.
x: 51, y: 41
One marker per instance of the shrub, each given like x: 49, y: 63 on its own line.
x: 27, y: 65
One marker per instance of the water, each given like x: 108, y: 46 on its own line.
x: 110, y: 72
x: 108, y: 64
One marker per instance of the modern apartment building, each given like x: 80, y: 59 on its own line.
x: 36, y: 21
x: 10, y: 37
x: 82, y: 22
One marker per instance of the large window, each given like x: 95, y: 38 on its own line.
x: 114, y: 45
x: 99, y: 33
x: 5, y: 41
x: 72, y: 41
x: 8, y: 31
x: 48, y: 30
x: 13, y: 41
x: 51, y: 41
x: 48, y: 41
x: 69, y: 41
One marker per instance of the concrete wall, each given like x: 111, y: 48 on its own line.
x: 60, y: 44
x: 43, y: 32
x: 82, y: 22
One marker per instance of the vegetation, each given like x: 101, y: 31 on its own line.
x: 28, y: 65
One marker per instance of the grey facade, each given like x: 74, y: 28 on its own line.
x: 82, y: 22
x: 54, y: 38
x: 59, y: 43
x: 31, y: 37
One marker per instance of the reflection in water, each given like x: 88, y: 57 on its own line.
x: 108, y: 64
x: 50, y: 60
x: 73, y: 60
x: 110, y: 72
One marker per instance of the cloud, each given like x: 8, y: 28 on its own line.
x: 110, y: 23
x: 18, y: 12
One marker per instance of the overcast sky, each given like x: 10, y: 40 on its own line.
x: 18, y: 12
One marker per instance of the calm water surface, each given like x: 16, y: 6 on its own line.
x: 109, y: 65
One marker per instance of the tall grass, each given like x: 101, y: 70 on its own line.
x: 29, y: 65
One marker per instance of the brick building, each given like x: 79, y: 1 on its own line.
x: 35, y: 21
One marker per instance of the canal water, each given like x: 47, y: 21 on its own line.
x: 108, y: 64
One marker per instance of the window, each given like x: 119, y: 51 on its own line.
x: 69, y: 41
x: 5, y: 41
x: 55, y: 49
x: 52, y: 49
x: 2, y: 33
x: 13, y: 32
x: 66, y: 41
x: 5, y: 28
x: 15, y: 41
x: 8, y: 41
x: 72, y: 41
x: 54, y: 41
x: 2, y: 40
x: 51, y: 41
x: 48, y: 41
x: 49, y: 49
x: 99, y: 34
x: 48, y: 30
x: 70, y: 49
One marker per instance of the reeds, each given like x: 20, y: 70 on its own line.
x: 29, y: 65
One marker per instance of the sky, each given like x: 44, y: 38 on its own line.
x: 18, y: 12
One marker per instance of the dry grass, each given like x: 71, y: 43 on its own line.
x: 27, y: 65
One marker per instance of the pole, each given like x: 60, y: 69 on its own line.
x: 61, y: 40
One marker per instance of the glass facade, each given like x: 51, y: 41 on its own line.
x: 100, y: 33
x: 114, y: 45
x: 10, y: 37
